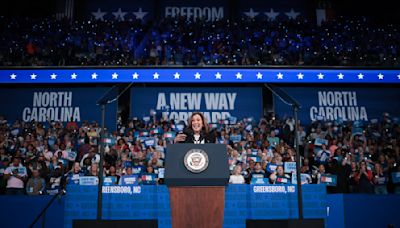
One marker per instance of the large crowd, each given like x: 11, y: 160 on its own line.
x: 340, y: 42
x: 42, y: 158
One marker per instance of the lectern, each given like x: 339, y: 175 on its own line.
x: 196, y: 176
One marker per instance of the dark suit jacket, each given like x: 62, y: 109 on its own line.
x: 208, y: 138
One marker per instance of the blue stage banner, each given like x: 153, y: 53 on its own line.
x: 56, y: 104
x: 152, y: 202
x: 207, y: 10
x: 119, y: 10
x: 201, y: 75
x: 340, y: 104
x: 272, y: 10
x: 178, y: 103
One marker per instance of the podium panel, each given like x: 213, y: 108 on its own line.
x: 216, y: 173
x: 197, y: 207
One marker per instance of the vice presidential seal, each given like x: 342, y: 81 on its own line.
x: 196, y: 160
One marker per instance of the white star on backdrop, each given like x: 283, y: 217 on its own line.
x: 114, y: 75
x: 176, y: 75
x: 398, y: 76
x: 119, y: 15
x: 13, y: 76
x: 218, y: 76
x: 94, y: 76
x: 340, y: 76
x: 197, y: 75
x: 135, y: 76
x: 259, y: 75
x: 320, y: 76
x: 53, y: 76
x: 360, y: 76
x: 380, y: 76
x: 280, y: 75
x: 73, y: 76
x: 238, y: 75
x: 252, y: 14
x: 33, y: 76
x: 155, y: 75
x: 271, y: 14
x: 98, y: 15
x: 300, y: 76
x: 140, y: 14
x: 292, y: 14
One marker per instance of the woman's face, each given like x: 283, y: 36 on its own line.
x: 197, y: 123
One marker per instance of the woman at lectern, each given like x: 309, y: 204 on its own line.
x: 197, y: 132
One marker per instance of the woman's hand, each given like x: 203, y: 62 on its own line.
x: 180, y: 138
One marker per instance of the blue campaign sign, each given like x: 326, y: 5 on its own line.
x: 88, y: 180
x: 271, y: 167
x: 396, y: 177
x: 56, y: 104
x: 130, y: 180
x: 216, y: 103
x: 108, y: 181
x: 328, y: 179
x: 259, y: 181
x: 149, y: 178
x: 290, y: 167
x: 340, y: 104
x: 207, y: 10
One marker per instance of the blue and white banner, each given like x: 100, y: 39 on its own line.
x: 201, y: 75
x: 56, y: 104
x: 340, y: 104
x: 179, y: 103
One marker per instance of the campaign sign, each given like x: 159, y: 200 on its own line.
x: 71, y: 155
x: 179, y: 103
x: 74, y: 178
x: 56, y: 104
x: 169, y: 135
x: 320, y: 142
x: 282, y: 180
x: 328, y: 179
x: 259, y: 181
x: 290, y: 167
x: 255, y: 158
x: 271, y: 167
x: 108, y: 181
x: 305, y: 178
x: 130, y: 180
x: 161, y: 172
x: 89, y: 180
x: 396, y: 177
x: 149, y: 178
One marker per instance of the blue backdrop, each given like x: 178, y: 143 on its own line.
x: 58, y: 104
x: 178, y: 103
x: 348, y: 104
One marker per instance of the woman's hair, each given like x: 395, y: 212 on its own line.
x: 205, y: 122
x: 235, y: 169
